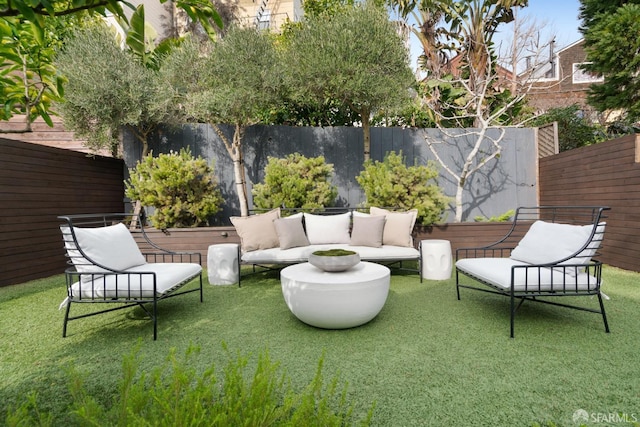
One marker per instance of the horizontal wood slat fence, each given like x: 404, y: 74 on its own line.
x: 606, y: 174
x: 39, y: 183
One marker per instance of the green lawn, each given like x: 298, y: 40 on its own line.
x: 427, y: 359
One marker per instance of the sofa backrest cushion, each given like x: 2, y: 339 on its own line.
x: 548, y: 242
x: 257, y: 231
x: 325, y: 229
x: 112, y: 246
x: 398, y: 226
x: 291, y: 232
x: 367, y: 230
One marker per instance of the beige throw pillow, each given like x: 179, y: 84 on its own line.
x: 290, y: 232
x: 257, y: 231
x: 398, y: 226
x: 367, y: 231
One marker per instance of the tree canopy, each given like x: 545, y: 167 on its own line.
x: 356, y: 57
x: 29, y: 31
x: 234, y: 82
x: 612, y: 42
x: 108, y: 88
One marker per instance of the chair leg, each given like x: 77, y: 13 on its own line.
x: 66, y: 319
x: 155, y: 318
x: 513, y: 315
x: 457, y: 282
x: 604, y: 316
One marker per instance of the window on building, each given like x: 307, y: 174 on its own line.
x: 582, y: 76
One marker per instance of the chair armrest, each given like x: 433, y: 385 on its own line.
x: 483, y: 252
x: 170, y: 256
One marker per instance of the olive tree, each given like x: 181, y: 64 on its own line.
x: 357, y: 57
x: 109, y: 88
x: 232, y: 82
x: 29, y: 29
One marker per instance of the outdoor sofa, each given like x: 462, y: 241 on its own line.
x: 107, y: 267
x: 273, y: 240
x: 548, y: 255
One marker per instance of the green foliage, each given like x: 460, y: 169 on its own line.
x: 29, y: 82
x: 176, y: 394
x: 334, y: 252
x: 391, y: 183
x: 223, y: 92
x: 498, y: 218
x: 109, y: 88
x: 356, y: 57
x: 296, y: 181
x: 573, y: 130
x: 181, y: 188
x: 29, y: 30
x: 612, y: 41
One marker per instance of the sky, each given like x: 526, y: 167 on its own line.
x: 560, y: 18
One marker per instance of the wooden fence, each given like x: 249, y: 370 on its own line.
x: 38, y: 183
x: 603, y: 174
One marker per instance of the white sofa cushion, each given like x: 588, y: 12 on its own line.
x: 301, y: 254
x: 112, y: 246
x: 257, y: 231
x: 169, y: 276
x: 548, y: 242
x: 497, y: 271
x: 326, y: 229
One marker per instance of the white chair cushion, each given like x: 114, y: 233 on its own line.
x: 168, y: 277
x: 111, y: 246
x: 547, y: 242
x: 497, y: 271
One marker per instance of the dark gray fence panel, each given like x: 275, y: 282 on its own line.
x: 503, y: 184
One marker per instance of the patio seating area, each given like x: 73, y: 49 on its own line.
x: 427, y: 358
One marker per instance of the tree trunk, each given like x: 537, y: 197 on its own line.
x: 234, y: 148
x: 238, y: 170
x: 366, y: 131
x: 459, y: 192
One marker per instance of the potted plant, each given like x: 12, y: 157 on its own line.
x: 334, y: 260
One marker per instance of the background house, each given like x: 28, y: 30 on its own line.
x: 560, y: 82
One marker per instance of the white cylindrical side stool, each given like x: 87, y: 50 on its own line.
x: 436, y: 259
x: 222, y: 264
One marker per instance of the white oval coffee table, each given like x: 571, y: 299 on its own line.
x: 336, y: 300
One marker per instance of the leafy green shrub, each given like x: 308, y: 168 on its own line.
x: 176, y: 394
x: 182, y: 189
x: 392, y: 184
x: 498, y: 218
x: 574, y: 130
x: 296, y: 182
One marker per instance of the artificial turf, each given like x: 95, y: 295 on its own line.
x: 426, y: 360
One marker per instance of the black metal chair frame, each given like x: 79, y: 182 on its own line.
x: 524, y: 217
x: 124, y: 298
